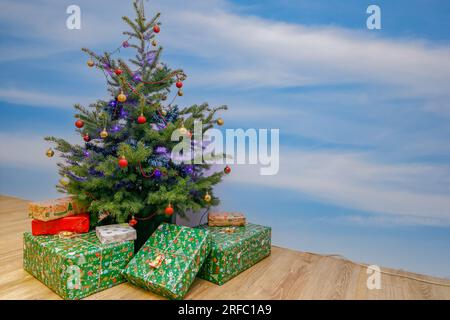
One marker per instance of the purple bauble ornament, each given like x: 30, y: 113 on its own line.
x: 86, y: 153
x: 161, y: 150
x: 137, y: 78
x: 108, y: 69
x: 123, y: 113
x: 157, y: 127
x: 112, y: 103
x: 125, y: 44
x: 150, y: 57
x: 116, y: 128
x: 189, y: 170
x: 157, y: 173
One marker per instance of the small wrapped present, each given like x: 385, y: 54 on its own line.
x: 54, y: 209
x: 169, y: 261
x: 75, y: 265
x: 225, y: 219
x: 76, y: 224
x: 115, y: 233
x: 233, y: 250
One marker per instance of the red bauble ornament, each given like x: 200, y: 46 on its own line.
x: 118, y: 72
x: 156, y: 29
x: 86, y: 138
x: 123, y: 163
x: 141, y: 119
x: 169, y: 210
x: 179, y: 84
x: 79, y: 124
x: 133, y: 222
x: 227, y: 170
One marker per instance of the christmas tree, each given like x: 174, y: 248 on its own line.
x: 123, y: 171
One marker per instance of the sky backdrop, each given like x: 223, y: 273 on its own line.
x: 364, y: 115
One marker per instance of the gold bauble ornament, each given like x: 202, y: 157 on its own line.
x: 180, y: 93
x: 183, y: 131
x: 207, y: 197
x: 220, y: 122
x: 121, y: 97
x: 163, y: 112
x: 154, y: 43
x: 104, y: 134
x: 64, y: 182
x: 50, y: 153
x: 90, y: 63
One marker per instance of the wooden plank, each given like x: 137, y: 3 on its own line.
x: 286, y: 274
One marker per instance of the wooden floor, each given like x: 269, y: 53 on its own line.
x: 286, y: 274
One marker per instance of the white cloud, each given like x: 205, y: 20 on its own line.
x: 25, y: 152
x: 303, y: 121
x: 406, y: 193
x: 28, y: 150
x: 255, y: 51
x: 242, y: 51
x: 41, y: 99
x: 40, y: 28
x: 391, y: 221
x: 353, y: 180
x: 247, y: 51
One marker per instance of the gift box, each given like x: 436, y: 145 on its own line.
x: 75, y: 267
x: 115, y: 233
x: 224, y: 219
x: 233, y: 250
x: 169, y: 261
x: 55, y: 209
x: 77, y: 224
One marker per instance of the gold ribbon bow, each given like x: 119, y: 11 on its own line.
x: 228, y: 230
x: 156, y: 263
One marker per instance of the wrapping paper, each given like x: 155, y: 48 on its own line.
x: 115, y: 233
x: 233, y: 250
x: 76, y: 224
x: 224, y: 219
x: 169, y: 261
x: 75, y: 267
x: 54, y: 209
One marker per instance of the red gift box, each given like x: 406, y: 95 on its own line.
x: 77, y: 224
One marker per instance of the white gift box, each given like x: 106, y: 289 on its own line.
x: 115, y: 233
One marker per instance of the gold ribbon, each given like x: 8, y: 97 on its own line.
x: 156, y: 263
x: 67, y: 234
x: 228, y: 230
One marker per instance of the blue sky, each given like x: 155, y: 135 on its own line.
x: 364, y: 116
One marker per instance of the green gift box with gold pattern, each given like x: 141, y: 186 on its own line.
x: 169, y: 261
x: 233, y: 250
x: 78, y: 266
